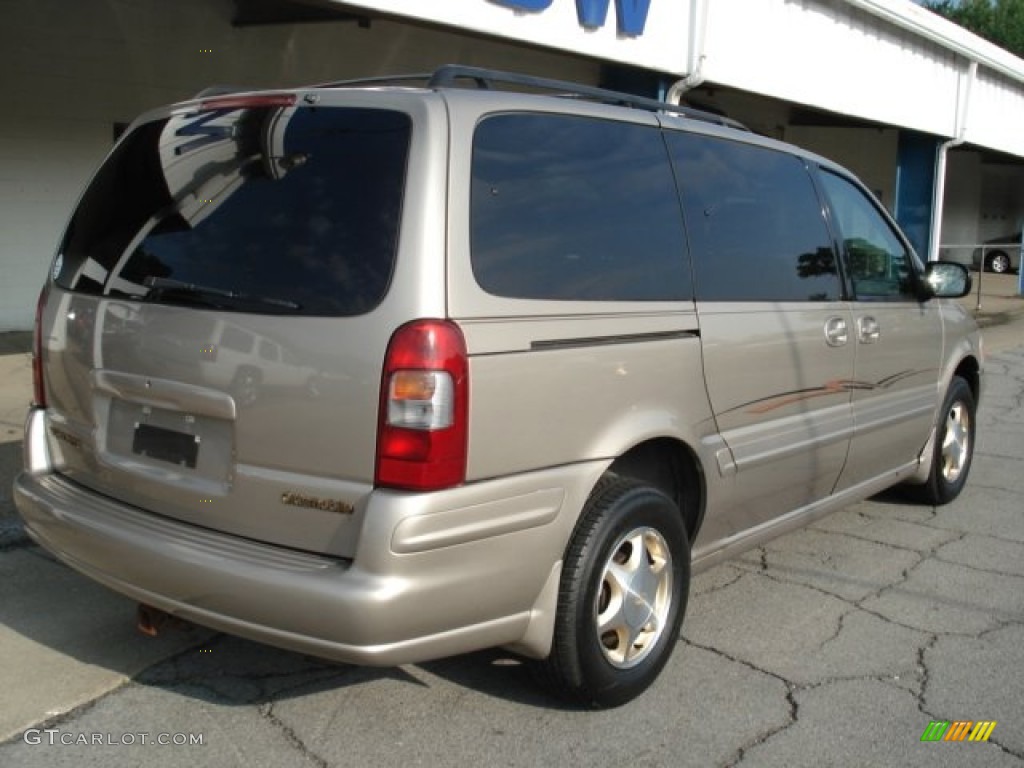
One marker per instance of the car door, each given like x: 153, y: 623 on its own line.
x: 897, y: 337
x: 775, y: 328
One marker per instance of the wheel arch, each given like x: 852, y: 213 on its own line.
x: 666, y: 463
x: 969, y: 369
x: 671, y: 466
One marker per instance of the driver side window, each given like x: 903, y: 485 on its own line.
x: 877, y: 262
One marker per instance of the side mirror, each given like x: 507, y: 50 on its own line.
x: 946, y: 280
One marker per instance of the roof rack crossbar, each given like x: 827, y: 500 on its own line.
x: 449, y: 75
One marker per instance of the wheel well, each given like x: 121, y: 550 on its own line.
x: 969, y: 371
x: 671, y: 467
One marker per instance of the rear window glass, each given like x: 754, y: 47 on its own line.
x: 265, y: 209
x: 574, y: 208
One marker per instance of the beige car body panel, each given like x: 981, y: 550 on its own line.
x: 279, y: 534
x: 898, y: 386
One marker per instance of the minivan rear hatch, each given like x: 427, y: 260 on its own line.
x: 209, y: 353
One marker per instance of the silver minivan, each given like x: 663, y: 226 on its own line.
x: 519, y: 357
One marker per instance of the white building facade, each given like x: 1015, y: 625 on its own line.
x: 926, y: 113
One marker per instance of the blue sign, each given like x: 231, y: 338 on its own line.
x: 631, y: 14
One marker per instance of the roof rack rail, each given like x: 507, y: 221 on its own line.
x: 379, y: 80
x: 448, y: 76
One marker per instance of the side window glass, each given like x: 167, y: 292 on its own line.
x: 878, y: 264
x: 757, y: 232
x: 574, y: 208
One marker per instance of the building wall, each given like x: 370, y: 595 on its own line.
x: 869, y: 152
x: 1002, y: 200
x: 73, y: 69
x: 832, y: 56
x: 660, y: 45
x: 996, y: 113
x: 984, y: 200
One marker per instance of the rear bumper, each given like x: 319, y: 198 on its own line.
x: 434, y: 574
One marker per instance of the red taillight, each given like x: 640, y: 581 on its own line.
x: 38, y: 389
x: 422, y: 430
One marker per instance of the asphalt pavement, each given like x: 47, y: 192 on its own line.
x: 836, y: 645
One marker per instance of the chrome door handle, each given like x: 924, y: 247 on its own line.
x: 837, y: 333
x: 868, y: 330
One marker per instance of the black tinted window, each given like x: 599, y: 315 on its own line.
x: 876, y: 260
x: 756, y: 228
x: 574, y: 208
x: 261, y: 209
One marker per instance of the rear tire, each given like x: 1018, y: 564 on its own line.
x: 622, y: 597
x: 954, y: 446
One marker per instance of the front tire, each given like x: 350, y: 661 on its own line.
x: 954, y: 446
x: 623, y: 592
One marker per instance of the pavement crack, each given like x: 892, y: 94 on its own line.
x: 1012, y: 752
x: 912, y: 627
x: 999, y: 628
x: 764, y: 736
x: 922, y: 670
x: 719, y: 587
x: 867, y: 540
x: 979, y: 569
x: 922, y: 557
x: 794, y: 718
x: 782, y: 579
x: 266, y: 711
x: 839, y: 629
x: 69, y: 715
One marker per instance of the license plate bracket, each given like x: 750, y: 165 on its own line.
x: 167, y: 445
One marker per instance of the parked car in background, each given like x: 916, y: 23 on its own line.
x: 1001, y: 254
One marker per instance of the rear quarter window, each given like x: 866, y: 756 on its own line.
x: 755, y: 222
x: 575, y: 208
x: 262, y: 209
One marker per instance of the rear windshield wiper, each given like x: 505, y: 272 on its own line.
x: 206, y: 295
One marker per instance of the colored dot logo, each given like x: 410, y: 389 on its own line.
x: 206, y: 50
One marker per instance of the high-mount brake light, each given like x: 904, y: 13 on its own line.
x: 38, y: 386
x: 249, y: 102
x: 422, y: 431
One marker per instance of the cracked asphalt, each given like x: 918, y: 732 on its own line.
x: 832, y: 646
